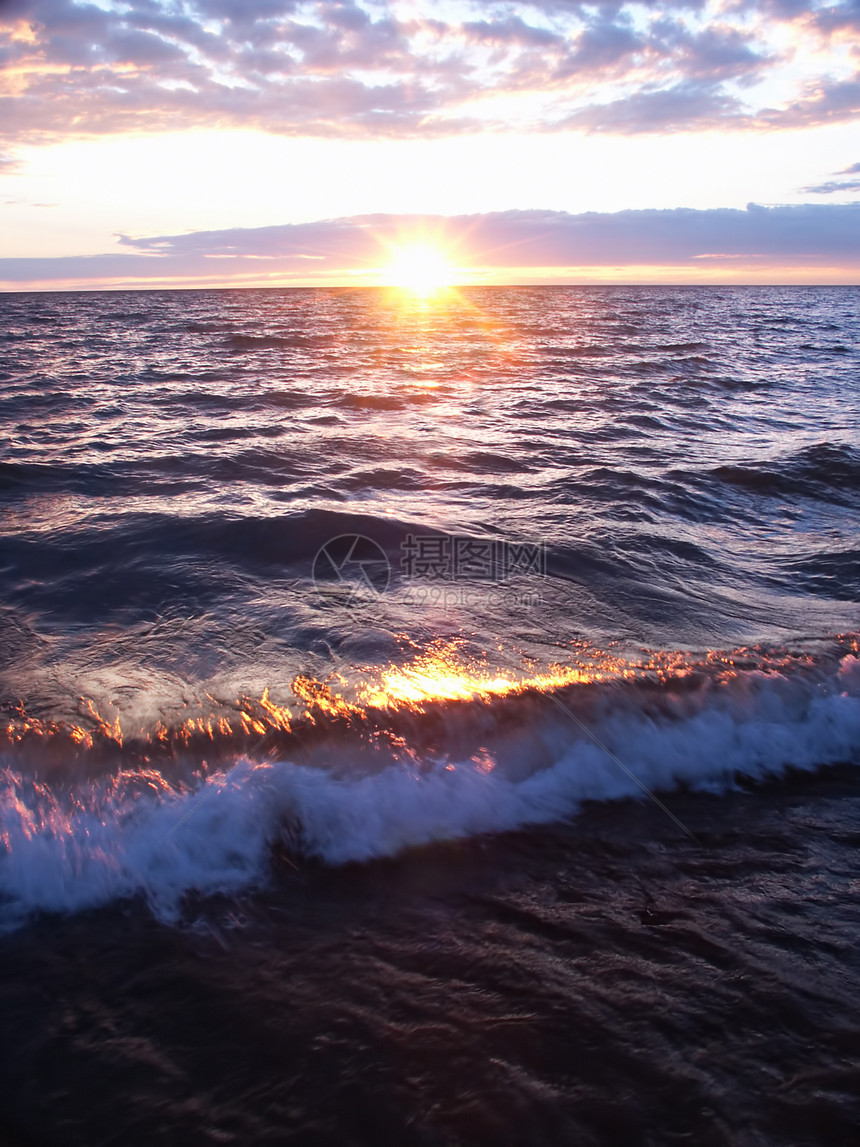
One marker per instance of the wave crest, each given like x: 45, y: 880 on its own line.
x: 441, y: 771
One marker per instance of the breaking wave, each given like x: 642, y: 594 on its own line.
x: 352, y: 782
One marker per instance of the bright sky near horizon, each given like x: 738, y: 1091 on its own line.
x: 183, y: 142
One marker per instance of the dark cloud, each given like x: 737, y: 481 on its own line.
x: 319, y: 67
x: 812, y: 235
x: 854, y: 169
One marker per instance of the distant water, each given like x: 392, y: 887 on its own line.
x: 296, y: 579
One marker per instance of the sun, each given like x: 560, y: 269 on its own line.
x: 420, y: 269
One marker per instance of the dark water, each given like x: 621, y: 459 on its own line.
x: 430, y: 721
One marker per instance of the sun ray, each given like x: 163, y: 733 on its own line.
x: 419, y: 268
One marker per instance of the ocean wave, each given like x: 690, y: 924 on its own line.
x: 835, y: 573
x: 532, y: 759
x: 824, y: 470
x: 240, y: 343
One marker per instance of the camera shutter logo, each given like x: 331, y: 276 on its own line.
x: 353, y: 562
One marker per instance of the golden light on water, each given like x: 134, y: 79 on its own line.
x: 440, y: 675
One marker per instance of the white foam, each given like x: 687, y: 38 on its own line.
x: 136, y: 834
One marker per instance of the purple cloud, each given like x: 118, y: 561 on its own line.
x: 813, y: 235
x: 718, y: 52
x: 839, y: 17
x: 678, y: 108
x: 603, y: 46
x: 833, y: 186
x: 511, y: 30
x: 826, y: 102
x: 351, y: 68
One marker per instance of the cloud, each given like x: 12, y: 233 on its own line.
x: 387, y: 68
x: 826, y: 102
x: 816, y: 16
x: 834, y: 186
x: 511, y: 30
x: 839, y: 17
x: 716, y: 52
x: 678, y: 108
x: 812, y: 235
x: 544, y: 238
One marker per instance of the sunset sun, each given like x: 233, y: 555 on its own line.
x: 420, y: 269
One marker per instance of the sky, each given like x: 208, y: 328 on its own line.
x: 184, y: 143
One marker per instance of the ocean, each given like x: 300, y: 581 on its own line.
x: 430, y: 720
